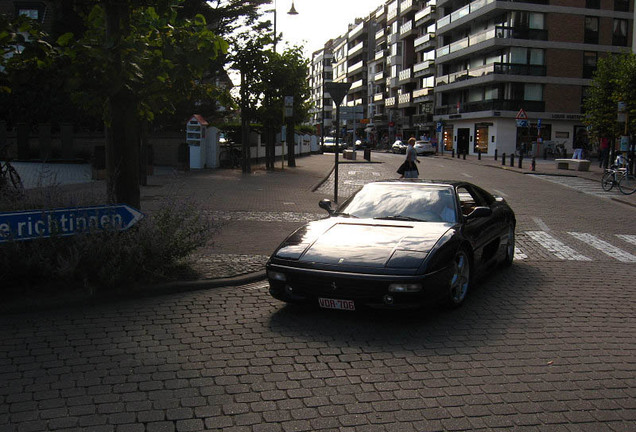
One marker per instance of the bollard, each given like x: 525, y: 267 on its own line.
x: 503, y: 159
x: 495, y: 154
x: 459, y: 154
x: 520, y: 161
x: 534, y: 164
x: 464, y: 155
x: 478, y: 154
x: 453, y: 155
x: 512, y: 160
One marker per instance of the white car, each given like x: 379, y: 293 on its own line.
x: 398, y: 147
x: 330, y: 145
x: 424, y: 148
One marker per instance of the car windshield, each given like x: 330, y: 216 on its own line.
x: 410, y: 202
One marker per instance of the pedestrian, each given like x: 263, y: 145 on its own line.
x: 579, y: 145
x: 604, y: 156
x: 408, y: 169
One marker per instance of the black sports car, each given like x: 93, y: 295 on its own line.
x: 398, y: 243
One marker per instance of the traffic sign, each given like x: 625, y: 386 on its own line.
x: 32, y: 224
x: 522, y: 123
x: 337, y: 91
x: 521, y: 115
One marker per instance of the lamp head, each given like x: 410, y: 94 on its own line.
x: 292, y: 11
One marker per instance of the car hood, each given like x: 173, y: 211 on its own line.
x: 363, y: 243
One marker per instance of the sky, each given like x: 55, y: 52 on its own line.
x: 318, y: 20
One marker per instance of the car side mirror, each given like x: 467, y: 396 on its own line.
x: 480, y: 212
x: 325, y: 204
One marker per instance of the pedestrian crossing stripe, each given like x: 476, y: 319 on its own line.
x: 628, y: 238
x: 605, y: 247
x: 556, y: 247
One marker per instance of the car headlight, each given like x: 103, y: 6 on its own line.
x: 405, y: 287
x: 274, y: 275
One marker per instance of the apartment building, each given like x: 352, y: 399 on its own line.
x: 321, y: 72
x: 465, y: 70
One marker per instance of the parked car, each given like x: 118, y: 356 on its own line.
x: 398, y: 147
x: 395, y: 244
x: 424, y: 148
x: 330, y: 145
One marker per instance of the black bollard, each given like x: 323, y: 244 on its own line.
x: 478, y: 154
x: 520, y: 161
x: 534, y: 164
x: 464, y: 155
x: 512, y: 160
x: 503, y: 159
x: 453, y: 155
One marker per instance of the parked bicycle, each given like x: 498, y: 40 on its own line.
x: 618, y: 175
x: 9, y: 177
x: 230, y: 157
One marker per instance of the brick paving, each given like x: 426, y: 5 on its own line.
x: 547, y: 345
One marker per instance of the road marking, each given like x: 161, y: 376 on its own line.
x: 519, y: 255
x: 583, y: 185
x: 605, y: 247
x: 467, y: 175
x: 556, y: 247
x: 628, y: 238
x: 500, y: 193
x: 542, y: 225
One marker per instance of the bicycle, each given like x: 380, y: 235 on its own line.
x: 619, y: 176
x: 8, y: 174
x: 230, y: 157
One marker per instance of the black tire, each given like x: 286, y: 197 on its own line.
x: 510, y: 247
x: 627, y: 185
x: 607, y: 181
x: 460, y: 281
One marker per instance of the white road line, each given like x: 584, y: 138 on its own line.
x: 542, y: 225
x: 605, y: 247
x: 629, y: 238
x: 519, y: 255
x: 467, y: 175
x: 556, y: 247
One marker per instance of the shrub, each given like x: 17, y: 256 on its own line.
x: 155, y: 249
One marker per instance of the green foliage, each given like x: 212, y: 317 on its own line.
x: 153, y: 250
x: 614, y: 81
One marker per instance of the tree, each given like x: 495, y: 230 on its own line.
x: 614, y: 81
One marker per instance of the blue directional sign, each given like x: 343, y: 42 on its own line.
x: 33, y: 224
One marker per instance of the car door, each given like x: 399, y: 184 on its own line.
x: 484, y: 232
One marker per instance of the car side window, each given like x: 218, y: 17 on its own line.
x: 468, y: 199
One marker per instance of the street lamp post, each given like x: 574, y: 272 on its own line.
x: 292, y: 11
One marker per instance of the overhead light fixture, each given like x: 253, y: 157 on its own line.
x: 292, y: 11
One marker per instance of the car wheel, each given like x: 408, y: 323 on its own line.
x: 510, y: 247
x: 460, y: 280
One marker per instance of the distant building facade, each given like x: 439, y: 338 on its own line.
x: 465, y: 71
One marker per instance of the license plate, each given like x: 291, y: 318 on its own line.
x: 336, y: 304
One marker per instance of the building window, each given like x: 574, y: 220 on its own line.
x: 619, y: 34
x: 589, y: 64
x: 533, y: 92
x: 33, y: 10
x: 621, y: 5
x: 593, y: 4
x: 481, y: 138
x: 591, y: 30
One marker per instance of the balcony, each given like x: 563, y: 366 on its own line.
x: 404, y: 99
x: 357, y: 85
x: 379, y: 34
x: 406, y: 29
x: 405, y: 76
x: 493, y: 68
x: 356, y: 49
x: 425, y: 16
x: 390, y: 101
x: 492, y: 105
x: 423, y: 95
x: 406, y: 6
x: 392, y: 13
x: 379, y: 55
x: 461, y: 13
x: 356, y: 68
x: 424, y: 42
x: 357, y: 31
x: 424, y: 68
x: 378, y: 97
x: 378, y: 76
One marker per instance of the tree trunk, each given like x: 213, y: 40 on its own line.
x: 122, y: 132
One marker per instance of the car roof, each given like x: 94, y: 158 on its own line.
x: 423, y: 182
